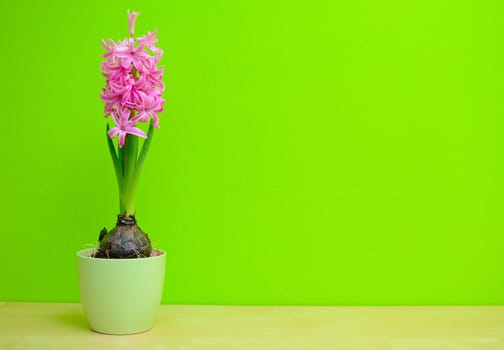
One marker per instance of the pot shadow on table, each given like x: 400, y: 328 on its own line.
x: 75, y: 319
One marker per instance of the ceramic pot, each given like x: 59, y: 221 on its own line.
x: 120, y: 296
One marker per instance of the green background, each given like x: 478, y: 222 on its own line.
x: 311, y: 152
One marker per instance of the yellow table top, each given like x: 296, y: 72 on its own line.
x: 190, y: 327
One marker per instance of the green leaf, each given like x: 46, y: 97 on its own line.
x: 139, y: 164
x: 117, y: 168
x: 121, y: 160
x: 145, y: 148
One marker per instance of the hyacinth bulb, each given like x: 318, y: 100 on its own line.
x: 125, y: 241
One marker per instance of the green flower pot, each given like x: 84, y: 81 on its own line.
x: 120, y: 296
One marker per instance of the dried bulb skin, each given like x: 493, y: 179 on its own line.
x: 125, y: 241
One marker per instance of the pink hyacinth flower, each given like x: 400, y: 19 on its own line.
x: 127, y: 54
x: 132, y: 16
x: 134, y: 84
x: 149, y: 40
x: 149, y: 108
x: 124, y: 126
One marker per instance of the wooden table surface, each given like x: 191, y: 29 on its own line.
x: 188, y: 327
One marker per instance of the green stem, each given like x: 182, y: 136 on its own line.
x: 128, y: 168
x: 130, y: 152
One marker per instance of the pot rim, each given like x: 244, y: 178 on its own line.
x: 84, y: 254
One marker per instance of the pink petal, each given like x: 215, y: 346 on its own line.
x: 112, y: 132
x: 136, y: 131
x: 155, y: 122
x: 122, y: 139
x: 124, y: 113
x: 117, y: 121
x: 141, y: 117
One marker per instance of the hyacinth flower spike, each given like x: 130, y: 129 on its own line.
x: 132, y: 95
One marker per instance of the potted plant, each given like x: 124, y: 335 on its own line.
x: 121, y: 280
